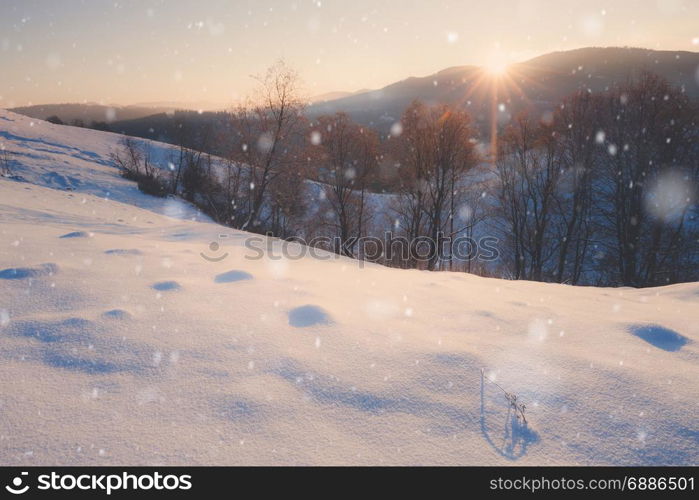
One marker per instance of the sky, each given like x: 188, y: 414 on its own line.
x: 206, y: 52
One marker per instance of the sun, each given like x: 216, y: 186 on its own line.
x: 496, y: 67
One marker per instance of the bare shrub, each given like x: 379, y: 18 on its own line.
x: 6, y: 161
x: 134, y: 163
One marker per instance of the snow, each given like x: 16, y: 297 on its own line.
x: 128, y: 344
x: 78, y: 159
x: 669, y: 196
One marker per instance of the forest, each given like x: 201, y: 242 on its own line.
x: 598, y: 191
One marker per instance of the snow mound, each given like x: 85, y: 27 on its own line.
x: 123, y: 251
x: 308, y: 315
x: 232, y: 276
x: 660, y: 337
x: 116, y: 314
x: 20, y: 273
x: 76, y: 234
x: 166, y: 286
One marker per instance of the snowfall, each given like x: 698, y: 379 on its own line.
x: 127, y: 337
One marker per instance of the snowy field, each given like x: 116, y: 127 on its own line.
x: 121, y: 344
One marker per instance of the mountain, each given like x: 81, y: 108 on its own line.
x: 184, y: 105
x: 92, y: 112
x: 127, y: 344
x: 332, y: 96
x: 89, y: 112
x: 540, y: 82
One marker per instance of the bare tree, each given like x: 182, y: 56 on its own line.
x: 194, y: 175
x: 413, y: 150
x: 528, y: 174
x: 454, y: 156
x: 287, y: 204
x: 575, y: 124
x: 269, y: 134
x: 606, y: 193
x: 178, y: 157
x: 232, y: 187
x: 647, y: 133
x: 434, y: 150
x: 346, y: 164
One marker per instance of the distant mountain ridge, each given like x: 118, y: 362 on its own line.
x: 540, y: 82
x: 89, y: 112
x: 332, y: 96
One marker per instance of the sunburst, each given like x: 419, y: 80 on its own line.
x: 498, y: 83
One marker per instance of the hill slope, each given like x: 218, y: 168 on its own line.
x: 125, y: 345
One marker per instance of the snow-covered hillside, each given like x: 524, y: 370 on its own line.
x: 78, y: 159
x: 123, y: 342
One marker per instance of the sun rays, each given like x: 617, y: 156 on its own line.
x: 500, y: 85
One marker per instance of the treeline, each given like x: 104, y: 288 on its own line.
x: 597, y: 192
x: 602, y: 191
x: 78, y: 122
